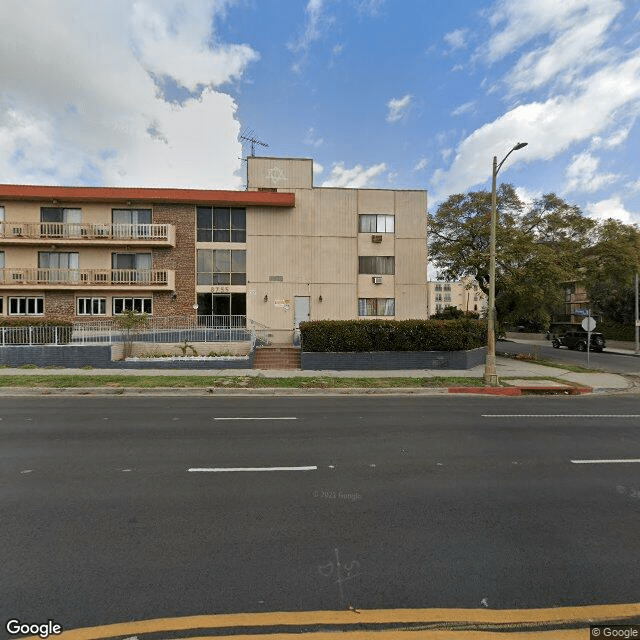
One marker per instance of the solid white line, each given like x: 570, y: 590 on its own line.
x: 274, y: 418
x: 559, y: 415
x: 629, y: 460
x: 240, y: 469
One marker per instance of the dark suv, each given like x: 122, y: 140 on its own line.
x: 578, y: 340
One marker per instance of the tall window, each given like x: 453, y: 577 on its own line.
x: 60, y: 221
x: 131, y: 223
x: 222, y: 224
x: 1, y: 220
x: 376, y: 223
x: 222, y: 266
x: 58, y: 266
x: 131, y: 266
x: 376, y: 306
x: 1, y: 261
x: 376, y: 265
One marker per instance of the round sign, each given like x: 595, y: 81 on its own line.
x: 589, y: 324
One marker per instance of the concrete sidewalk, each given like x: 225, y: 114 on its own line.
x: 516, y: 374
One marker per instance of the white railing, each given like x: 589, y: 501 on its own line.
x: 83, y: 230
x: 34, y: 335
x: 97, y: 277
x: 155, y: 330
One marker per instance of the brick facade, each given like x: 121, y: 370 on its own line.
x: 181, y: 258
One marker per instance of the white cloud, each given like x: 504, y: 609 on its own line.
x: 397, y: 108
x: 576, y: 30
x: 610, y: 208
x: 423, y: 163
x: 370, y: 7
x: 316, y: 23
x: 317, y: 168
x: 614, y: 140
x: 464, y: 108
x: 87, y: 110
x: 311, y: 139
x: 526, y: 196
x: 582, y: 174
x: 550, y: 127
x: 356, y: 178
x: 177, y: 43
x: 456, y: 39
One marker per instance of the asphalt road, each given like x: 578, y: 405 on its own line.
x: 605, y: 361
x: 415, y: 502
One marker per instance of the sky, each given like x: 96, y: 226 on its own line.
x: 398, y: 94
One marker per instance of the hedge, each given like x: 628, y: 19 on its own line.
x: 615, y: 331
x: 392, y: 335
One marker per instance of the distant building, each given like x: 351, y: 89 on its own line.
x: 281, y: 252
x: 465, y: 295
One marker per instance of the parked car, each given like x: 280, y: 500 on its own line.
x: 578, y: 340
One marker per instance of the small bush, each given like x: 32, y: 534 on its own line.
x: 392, y: 335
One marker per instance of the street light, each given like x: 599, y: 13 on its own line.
x: 490, y: 372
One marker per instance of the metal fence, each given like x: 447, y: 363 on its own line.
x: 153, y: 330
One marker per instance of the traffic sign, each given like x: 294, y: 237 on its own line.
x: 589, y: 324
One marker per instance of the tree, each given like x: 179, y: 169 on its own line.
x: 130, y: 322
x: 538, y: 247
x: 609, y: 269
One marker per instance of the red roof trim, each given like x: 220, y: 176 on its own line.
x: 146, y: 195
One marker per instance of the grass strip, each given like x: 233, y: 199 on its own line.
x: 250, y: 382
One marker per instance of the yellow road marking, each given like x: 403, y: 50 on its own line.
x: 584, y: 614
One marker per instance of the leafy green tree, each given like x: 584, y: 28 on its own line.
x: 131, y: 323
x: 537, y: 248
x: 609, y: 269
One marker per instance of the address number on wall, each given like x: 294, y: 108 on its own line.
x: 220, y: 290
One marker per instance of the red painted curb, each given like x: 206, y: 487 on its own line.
x: 518, y: 391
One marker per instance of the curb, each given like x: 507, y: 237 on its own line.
x: 520, y: 391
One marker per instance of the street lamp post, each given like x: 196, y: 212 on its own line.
x: 490, y: 372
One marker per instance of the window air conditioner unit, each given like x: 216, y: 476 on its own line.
x: 376, y: 239
x: 377, y: 279
x: 17, y: 231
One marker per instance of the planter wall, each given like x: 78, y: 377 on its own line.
x: 99, y: 357
x: 390, y: 360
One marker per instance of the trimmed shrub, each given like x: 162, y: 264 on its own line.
x: 392, y: 335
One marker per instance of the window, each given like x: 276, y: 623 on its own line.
x: 131, y: 223
x: 447, y: 287
x: 438, y: 287
x: 376, y: 223
x: 129, y: 267
x: 91, y: 306
x: 438, y: 297
x: 1, y: 261
x: 376, y: 306
x: 58, y: 266
x: 1, y: 305
x: 447, y: 297
x: 376, y: 265
x: 222, y: 266
x: 24, y: 306
x: 60, y: 221
x: 221, y: 224
x: 139, y: 305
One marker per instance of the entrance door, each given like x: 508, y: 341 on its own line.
x: 301, y: 314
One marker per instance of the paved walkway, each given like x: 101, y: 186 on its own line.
x: 517, y: 372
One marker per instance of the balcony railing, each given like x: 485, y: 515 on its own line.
x: 82, y: 231
x: 156, y: 278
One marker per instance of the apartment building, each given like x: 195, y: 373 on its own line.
x: 278, y: 253
x: 464, y: 294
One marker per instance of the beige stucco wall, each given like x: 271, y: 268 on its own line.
x: 314, y: 248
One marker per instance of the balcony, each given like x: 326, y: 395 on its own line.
x: 81, y: 233
x: 74, y: 279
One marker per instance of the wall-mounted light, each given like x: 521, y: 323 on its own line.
x: 320, y: 298
x: 174, y: 296
x: 266, y: 297
x: 54, y: 202
x: 128, y: 203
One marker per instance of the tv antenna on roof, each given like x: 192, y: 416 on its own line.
x: 250, y: 136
